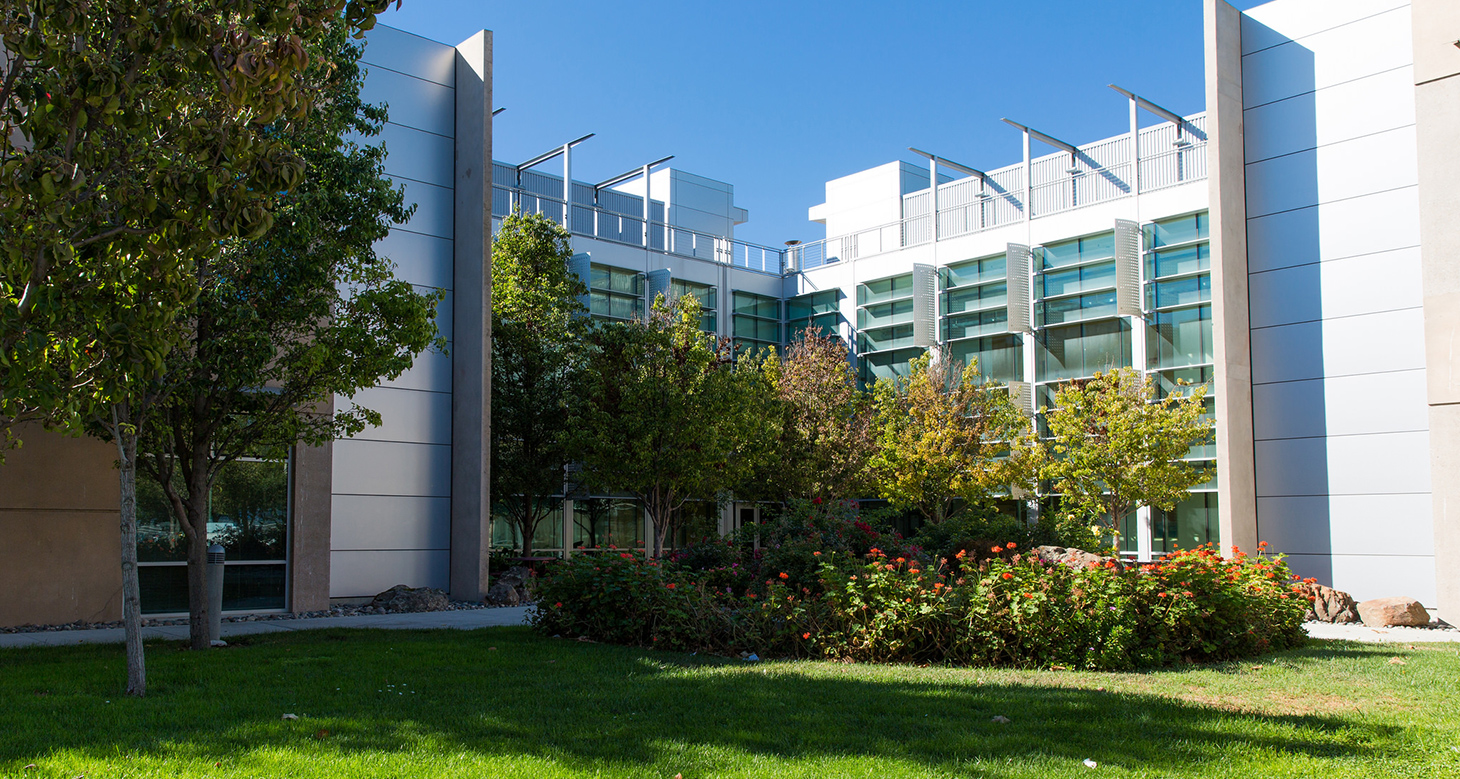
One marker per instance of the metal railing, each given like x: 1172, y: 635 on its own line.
x: 605, y: 225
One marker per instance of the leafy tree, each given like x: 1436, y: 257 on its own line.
x: 1113, y: 446
x: 538, y: 322
x: 132, y: 142
x: 663, y: 414
x: 945, y: 436
x: 820, y: 424
x: 308, y: 310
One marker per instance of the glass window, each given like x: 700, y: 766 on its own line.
x: 751, y: 304
x: 976, y: 324
x: 975, y: 298
x: 599, y: 523
x: 1078, y: 351
x: 1192, y: 523
x: 1074, y: 309
x: 883, y: 338
x: 1000, y: 358
x: 1079, y: 250
x: 883, y: 290
x: 248, y: 514
x: 887, y: 365
x: 885, y: 314
x: 1181, y: 292
x: 1180, y: 337
x: 1183, y: 379
x: 815, y: 304
x: 1183, y: 229
x: 548, y: 536
x: 975, y: 271
x: 1188, y: 259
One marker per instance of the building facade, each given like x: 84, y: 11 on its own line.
x: 1295, y: 247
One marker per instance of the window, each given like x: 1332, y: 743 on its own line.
x: 548, y: 536
x: 599, y: 523
x: 755, y: 322
x: 1180, y: 337
x: 884, y: 290
x: 1192, y: 523
x: 819, y: 310
x: 615, y: 293
x: 1000, y: 358
x: 1171, y: 232
x: 1075, y: 252
x: 248, y: 513
x: 961, y: 274
x: 705, y: 294
x: 887, y: 365
x: 1078, y: 351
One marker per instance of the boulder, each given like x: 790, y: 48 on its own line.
x: 403, y: 598
x: 1383, y: 612
x: 518, y: 578
x: 1329, y: 605
x: 1074, y: 558
x: 502, y: 594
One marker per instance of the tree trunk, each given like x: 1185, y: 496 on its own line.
x: 126, y: 438
x: 198, y: 605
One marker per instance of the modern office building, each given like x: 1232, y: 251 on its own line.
x: 1296, y: 246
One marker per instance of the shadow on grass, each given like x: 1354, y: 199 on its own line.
x: 510, y: 693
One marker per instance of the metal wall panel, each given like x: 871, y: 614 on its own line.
x: 656, y: 284
x: 1127, y: 268
x: 925, y: 305
x: 1020, y: 260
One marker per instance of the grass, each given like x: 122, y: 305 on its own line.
x: 506, y: 702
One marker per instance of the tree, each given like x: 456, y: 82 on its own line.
x: 663, y: 414
x: 944, y: 436
x: 1113, y: 446
x: 308, y: 310
x: 130, y: 143
x: 538, y: 322
x: 821, y: 431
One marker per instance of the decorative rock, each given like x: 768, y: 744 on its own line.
x: 403, y: 598
x: 1383, y: 612
x: 1074, y: 558
x: 517, y: 578
x: 1330, y: 605
x: 502, y: 594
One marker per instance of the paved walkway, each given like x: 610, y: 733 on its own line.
x: 467, y: 619
x: 485, y: 618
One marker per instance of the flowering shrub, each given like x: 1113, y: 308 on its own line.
x: 1007, y: 609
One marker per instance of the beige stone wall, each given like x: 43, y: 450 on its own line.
x: 59, y: 532
x: 1436, y: 28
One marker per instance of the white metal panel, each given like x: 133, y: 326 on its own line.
x: 401, y: 51
x: 431, y: 370
x: 1292, y: 466
x: 1372, y: 283
x: 1379, y: 43
x: 1374, y: 343
x: 365, y: 522
x: 925, y: 305
x: 380, y: 468
x: 408, y: 416
x: 1285, y: 296
x: 411, y: 101
x: 1342, y: 112
x: 1301, y: 18
x: 1362, y: 166
x: 415, y: 154
x: 1287, y: 353
x: 367, y: 573
x: 424, y: 260
x: 1379, y: 464
x: 1347, y: 524
x: 1375, y: 576
x: 434, y: 208
x: 1347, y: 228
x: 1344, y: 405
x: 443, y: 314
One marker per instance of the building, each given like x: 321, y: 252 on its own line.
x: 1296, y: 245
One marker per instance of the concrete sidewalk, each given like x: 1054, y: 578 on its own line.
x: 1391, y: 635
x: 469, y: 619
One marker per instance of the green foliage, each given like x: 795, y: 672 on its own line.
x: 1009, y: 609
x: 820, y: 425
x: 1113, y: 446
x: 538, y: 323
x: 945, y: 436
x: 664, y: 414
x: 308, y: 310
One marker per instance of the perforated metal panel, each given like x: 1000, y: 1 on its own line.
x: 581, y: 265
x: 1127, y: 268
x: 1022, y: 393
x: 925, y: 305
x: 1020, y: 260
x: 658, y: 284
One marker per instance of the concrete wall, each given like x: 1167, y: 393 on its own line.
x: 1437, y: 109
x: 1338, y: 364
x: 391, y: 485
x: 60, y: 536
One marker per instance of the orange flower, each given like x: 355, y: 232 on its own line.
x: 938, y: 586
x: 815, y: 554
x: 1012, y: 545
x: 1008, y: 576
x: 1161, y: 595
x: 1028, y: 594
x: 913, y: 570
x: 785, y: 575
x: 750, y: 595
x: 961, y: 554
x: 805, y: 636
x: 1187, y: 593
x: 995, y: 549
x: 902, y: 559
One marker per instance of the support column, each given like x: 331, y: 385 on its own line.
x: 309, y: 534
x: 1227, y: 182
x: 1436, y: 25
x: 471, y: 353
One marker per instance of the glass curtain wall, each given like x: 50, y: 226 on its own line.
x: 706, y: 294
x: 615, y: 293
x: 817, y: 310
x: 755, y: 322
x: 248, y: 514
x: 975, y: 318
x: 885, y: 337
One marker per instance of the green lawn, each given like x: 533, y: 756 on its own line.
x: 505, y: 703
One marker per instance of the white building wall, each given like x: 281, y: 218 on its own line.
x: 391, y: 503
x: 1334, y: 269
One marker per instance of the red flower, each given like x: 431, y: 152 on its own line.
x: 816, y: 501
x: 1008, y: 576
x: 785, y: 575
x: 1012, y: 545
x: 1161, y: 595
x: 815, y: 554
x: 805, y: 636
x: 995, y: 549
x: 670, y: 586
x: 913, y: 570
x: 558, y: 605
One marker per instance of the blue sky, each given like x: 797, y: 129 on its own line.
x: 779, y: 97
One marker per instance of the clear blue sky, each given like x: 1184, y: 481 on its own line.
x: 779, y: 97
